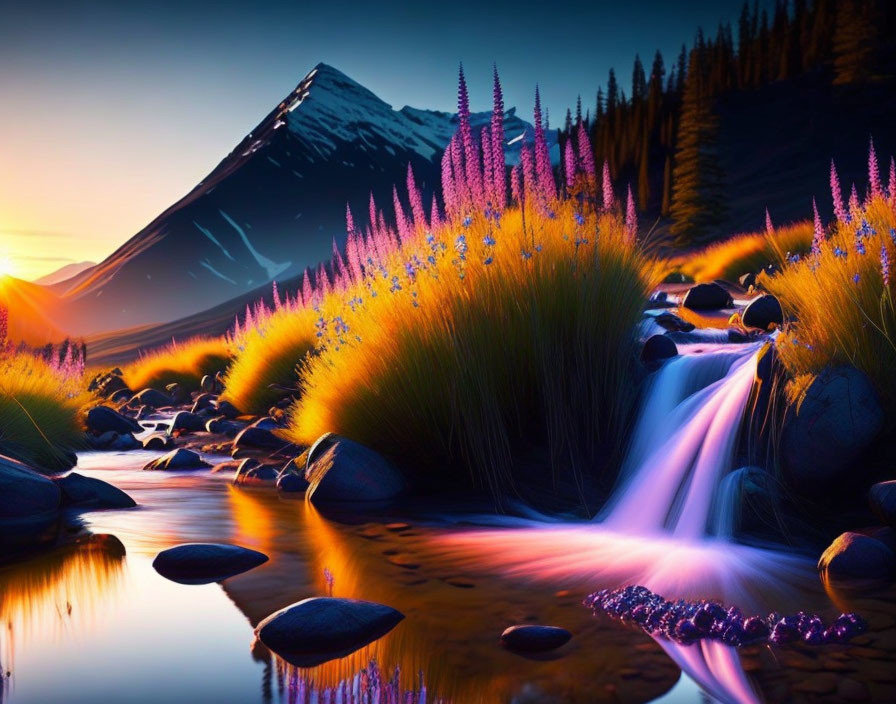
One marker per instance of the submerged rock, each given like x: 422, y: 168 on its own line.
x: 223, y: 426
x: 260, y: 438
x: 255, y: 474
x: 158, y: 441
x: 203, y: 563
x: 228, y: 410
x: 177, y: 460
x: 707, y: 297
x: 673, y: 323
x: 319, y: 629
x: 883, y: 501
x: 88, y: 492
x: 856, y: 556
x: 102, y: 419
x: 203, y: 401
x: 341, y: 471
x: 534, y: 639
x: 763, y: 312
x: 837, y: 420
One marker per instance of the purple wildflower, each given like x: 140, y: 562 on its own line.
x: 499, y: 175
x: 855, y: 278
x: 631, y: 217
x: 769, y: 227
x: 569, y: 162
x: 586, y: 156
x: 891, y: 185
x: 885, y: 265
x: 471, y: 162
x: 818, y: 234
x: 839, y: 211
x: 543, y: 170
x: 609, y: 199
x: 873, y: 171
x: 415, y: 199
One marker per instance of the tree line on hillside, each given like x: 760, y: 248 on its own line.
x: 663, y: 136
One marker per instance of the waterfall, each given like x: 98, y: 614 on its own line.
x: 683, y: 444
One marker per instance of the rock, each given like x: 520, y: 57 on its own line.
x: 102, y: 442
x: 29, y: 506
x: 187, y: 421
x: 319, y: 629
x: 252, y: 472
x: 102, y: 419
x: 228, y: 410
x: 747, y: 280
x: 254, y: 437
x: 657, y: 348
x: 707, y: 297
x: 291, y: 483
x: 342, y: 471
x: 78, y: 490
x: 203, y: 563
x: 884, y: 534
x: 856, y: 556
x: 883, y: 501
x: 207, y: 384
x: 763, y: 312
x: 534, y: 639
x: 223, y: 426
x: 152, y: 398
x: 203, y: 401
x: 219, y: 382
x: 125, y: 442
x: 266, y: 423
x: 677, y: 277
x: 177, y: 393
x: 158, y: 441
x: 836, y: 421
x: 106, y: 384
x: 177, y: 460
x: 673, y: 323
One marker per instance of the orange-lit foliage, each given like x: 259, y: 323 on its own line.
x: 184, y: 363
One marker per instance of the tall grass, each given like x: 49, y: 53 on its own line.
x: 40, y: 409
x: 745, y: 253
x: 184, y: 363
x: 478, y: 339
x: 267, y: 353
x: 840, y: 299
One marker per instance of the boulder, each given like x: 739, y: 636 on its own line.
x: 883, y: 501
x: 341, y: 471
x: 29, y: 506
x: 152, y: 398
x: 88, y: 492
x: 158, y: 441
x: 836, y: 421
x: 319, y: 629
x: 258, y: 475
x: 177, y: 393
x: 203, y: 401
x: 534, y: 639
x: 707, y: 297
x: 187, y: 421
x: 292, y: 483
x: 657, y: 348
x: 260, y: 438
x: 763, y: 312
x: 266, y: 423
x: 223, y: 426
x: 856, y: 556
x: 177, y: 460
x: 228, y: 410
x: 747, y: 280
x: 124, y: 442
x: 676, y: 277
x: 102, y: 419
x: 203, y: 563
x: 108, y: 383
x: 207, y: 384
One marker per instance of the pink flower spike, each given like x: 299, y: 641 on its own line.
x: 836, y: 194
x: 873, y: 171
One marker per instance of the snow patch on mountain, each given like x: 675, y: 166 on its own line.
x: 272, y: 268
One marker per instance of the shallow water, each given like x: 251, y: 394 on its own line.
x: 88, y: 623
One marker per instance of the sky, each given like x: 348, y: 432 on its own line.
x: 111, y: 111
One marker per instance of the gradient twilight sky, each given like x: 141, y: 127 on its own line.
x: 112, y: 110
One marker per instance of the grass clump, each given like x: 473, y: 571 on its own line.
x: 267, y: 354
x: 840, y: 299
x: 745, y: 253
x: 478, y: 338
x: 184, y: 363
x: 40, y: 409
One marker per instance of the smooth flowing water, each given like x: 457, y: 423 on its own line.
x: 92, y: 621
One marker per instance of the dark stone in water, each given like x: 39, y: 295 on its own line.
x: 259, y: 475
x: 177, y: 460
x: 707, y: 297
x: 203, y: 563
x: 157, y: 441
x: 534, y: 639
x: 29, y: 507
x: 319, y: 629
x: 673, y: 323
x: 856, y: 556
x: 343, y: 472
x: 291, y: 483
x: 78, y: 490
x: 883, y: 501
x: 102, y: 419
x: 763, y: 312
x: 228, y: 410
x: 658, y: 348
x: 187, y: 421
x: 152, y: 398
x: 688, y: 622
x: 261, y: 438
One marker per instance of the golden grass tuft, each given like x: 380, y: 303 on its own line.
x: 268, y: 355
x: 184, y: 363
x: 841, y: 309
x: 462, y: 363
x: 40, y: 411
x: 741, y: 254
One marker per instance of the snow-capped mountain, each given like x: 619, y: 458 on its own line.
x: 272, y: 206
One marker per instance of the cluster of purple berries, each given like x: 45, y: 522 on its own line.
x: 687, y: 622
